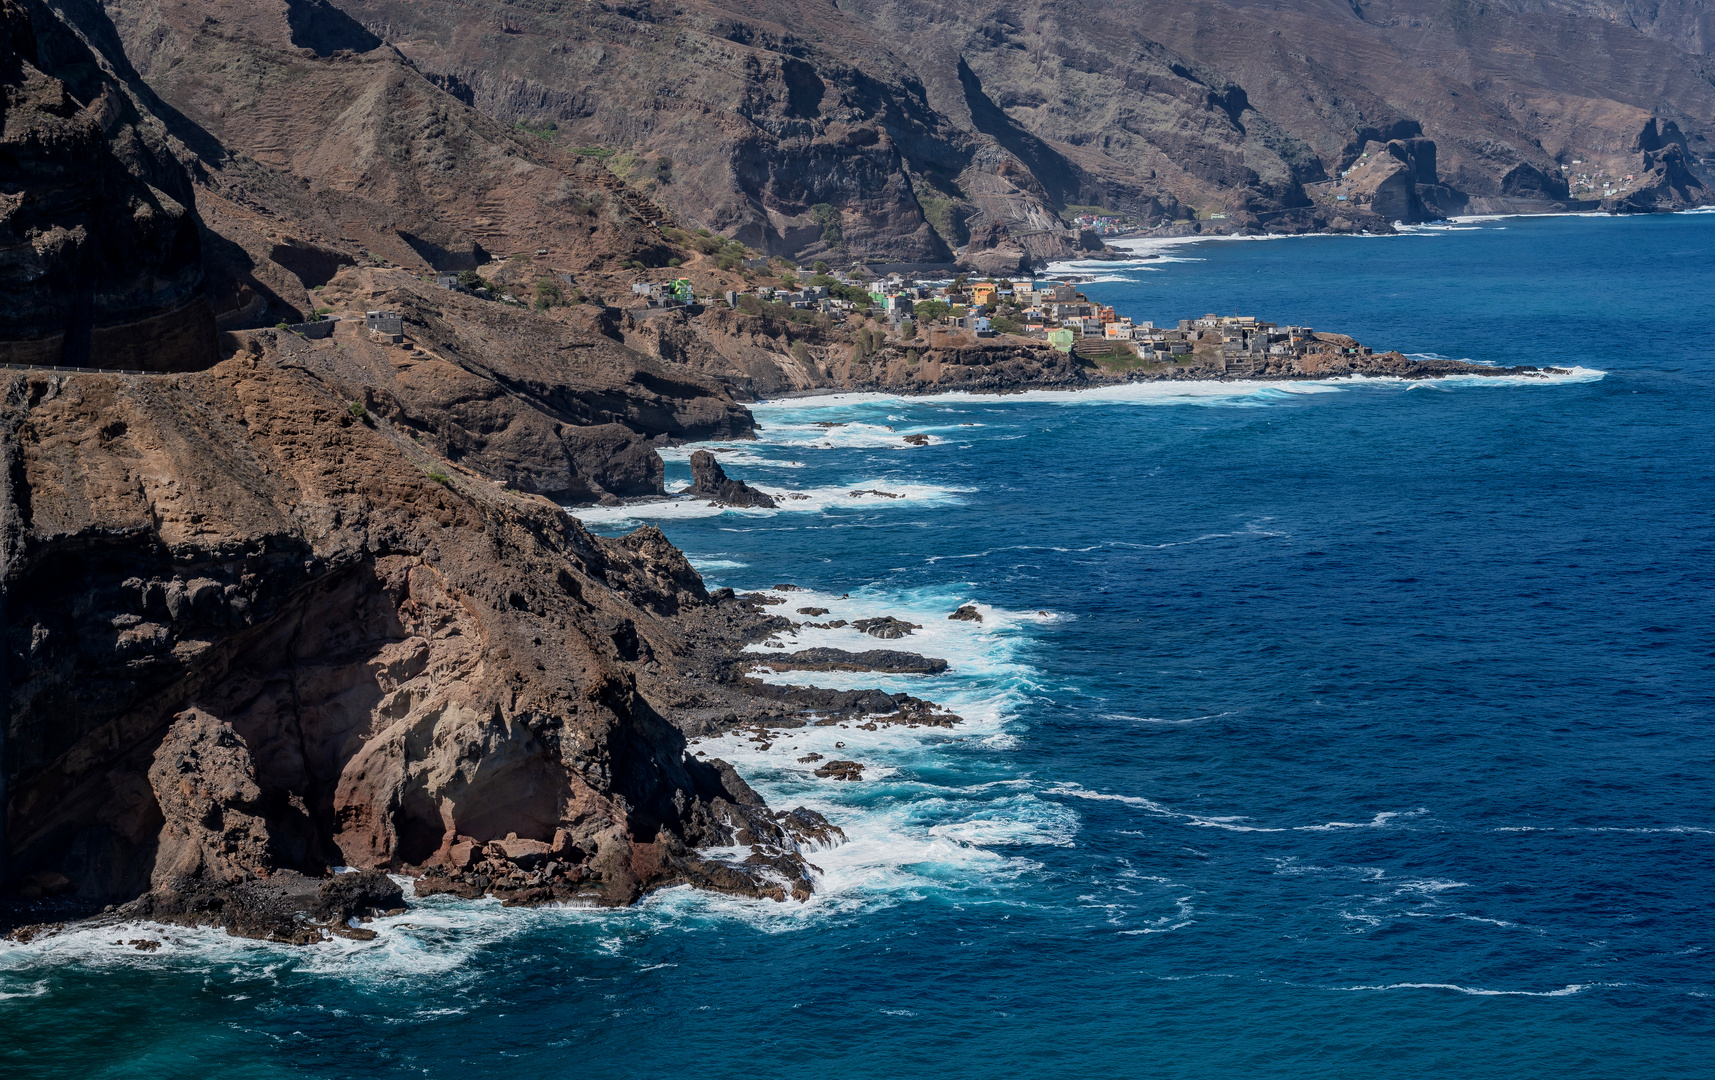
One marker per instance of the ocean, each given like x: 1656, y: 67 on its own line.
x: 1340, y: 729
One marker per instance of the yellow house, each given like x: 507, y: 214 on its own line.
x: 982, y: 293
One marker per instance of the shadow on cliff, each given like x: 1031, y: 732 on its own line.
x: 1059, y: 178
x: 319, y: 26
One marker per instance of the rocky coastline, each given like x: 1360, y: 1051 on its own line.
x: 261, y: 625
x: 287, y: 585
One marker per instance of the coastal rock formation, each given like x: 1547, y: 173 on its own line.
x: 887, y: 627
x: 204, y: 781
x: 967, y: 613
x: 1664, y: 180
x: 841, y: 770
x: 889, y: 661
x: 710, y: 481
x: 535, y: 401
x: 251, y: 635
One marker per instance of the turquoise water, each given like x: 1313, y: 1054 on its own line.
x: 1341, y: 729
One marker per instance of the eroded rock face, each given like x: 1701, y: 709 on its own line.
x: 1665, y: 180
x: 205, y: 784
x: 547, y: 407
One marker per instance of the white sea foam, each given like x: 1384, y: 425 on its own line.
x: 682, y: 454
x: 1460, y: 917
x: 784, y: 430
x: 1238, y: 823
x: 34, y: 990
x: 428, y: 941
x: 1232, y: 823
x: 1566, y: 991
x: 706, y: 565
x: 1161, y: 719
x: 1180, y: 918
x: 1380, y: 821
x: 866, y: 493
x: 1205, y: 392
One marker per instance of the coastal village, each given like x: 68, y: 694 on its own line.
x: 946, y: 314
x: 962, y: 319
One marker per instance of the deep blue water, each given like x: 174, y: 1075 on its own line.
x: 1359, y: 729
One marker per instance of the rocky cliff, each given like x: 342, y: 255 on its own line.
x: 100, y: 261
x: 309, y: 602
x: 253, y: 632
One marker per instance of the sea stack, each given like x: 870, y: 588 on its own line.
x: 710, y: 481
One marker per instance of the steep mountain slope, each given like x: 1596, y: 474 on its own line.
x: 989, y: 118
x: 312, y: 155
x: 1495, y: 88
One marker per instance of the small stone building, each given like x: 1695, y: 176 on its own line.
x: 385, y: 324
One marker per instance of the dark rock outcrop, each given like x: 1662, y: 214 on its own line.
x: 841, y: 770
x: 100, y: 259
x: 710, y: 481
x: 967, y: 613
x: 286, y: 907
x: 1665, y: 181
x: 887, y: 627
x: 889, y: 661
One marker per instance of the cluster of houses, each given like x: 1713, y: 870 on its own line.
x: 1054, y: 311
x: 1598, y: 181
x: 1103, y: 224
x: 664, y: 294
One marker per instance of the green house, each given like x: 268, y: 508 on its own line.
x: 1061, y: 339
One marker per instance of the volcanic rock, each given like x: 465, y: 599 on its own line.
x: 967, y: 613
x: 710, y: 481
x: 100, y: 258
x: 841, y: 770
x: 887, y: 627
x: 882, y: 660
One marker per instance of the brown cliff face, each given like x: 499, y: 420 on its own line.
x: 250, y: 635
x: 100, y: 263
x: 838, y: 132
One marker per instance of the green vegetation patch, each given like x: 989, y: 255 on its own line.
x: 542, y: 129
x: 930, y: 310
x: 775, y: 311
